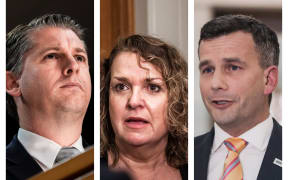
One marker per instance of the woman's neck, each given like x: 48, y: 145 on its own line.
x: 145, y: 162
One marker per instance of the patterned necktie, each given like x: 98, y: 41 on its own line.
x: 66, y: 153
x: 232, y: 166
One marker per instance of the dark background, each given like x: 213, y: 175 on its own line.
x: 21, y: 12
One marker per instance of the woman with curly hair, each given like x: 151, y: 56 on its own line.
x: 144, y: 111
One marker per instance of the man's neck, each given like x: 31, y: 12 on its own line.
x: 64, y: 129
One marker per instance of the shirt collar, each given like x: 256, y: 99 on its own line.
x: 43, y: 149
x: 257, y: 136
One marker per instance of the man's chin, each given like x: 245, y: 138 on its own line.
x: 72, y: 107
x: 223, y: 119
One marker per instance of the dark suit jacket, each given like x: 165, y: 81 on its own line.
x: 19, y: 164
x: 268, y: 170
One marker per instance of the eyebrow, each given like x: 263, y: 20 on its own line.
x: 153, y: 79
x: 123, y: 79
x: 226, y: 60
x: 49, y: 48
x: 234, y: 60
x: 203, y: 63
x: 79, y: 50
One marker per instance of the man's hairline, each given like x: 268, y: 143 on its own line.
x: 255, y: 46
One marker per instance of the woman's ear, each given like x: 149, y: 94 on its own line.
x: 271, y: 79
x: 12, y: 85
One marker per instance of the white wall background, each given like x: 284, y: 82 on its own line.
x: 203, y: 12
x: 165, y: 19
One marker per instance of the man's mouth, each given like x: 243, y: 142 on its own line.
x: 221, y: 104
x: 72, y: 85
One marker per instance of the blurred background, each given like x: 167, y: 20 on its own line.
x: 269, y: 12
x: 164, y: 19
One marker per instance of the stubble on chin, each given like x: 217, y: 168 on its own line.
x: 230, y: 121
x: 74, y: 104
x: 222, y: 117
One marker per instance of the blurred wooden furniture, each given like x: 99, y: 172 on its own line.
x: 79, y: 167
x: 116, y: 21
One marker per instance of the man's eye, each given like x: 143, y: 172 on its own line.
x: 80, y: 58
x: 121, y: 87
x: 154, y: 88
x: 51, y: 56
x: 233, y: 68
x: 207, y: 70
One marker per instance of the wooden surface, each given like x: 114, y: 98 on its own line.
x: 80, y: 166
x: 116, y: 21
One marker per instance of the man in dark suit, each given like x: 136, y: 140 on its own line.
x: 239, y: 58
x: 48, y: 87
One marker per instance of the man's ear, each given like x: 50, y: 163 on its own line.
x: 271, y: 79
x: 12, y: 85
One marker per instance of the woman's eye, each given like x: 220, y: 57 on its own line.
x: 154, y: 88
x: 121, y: 87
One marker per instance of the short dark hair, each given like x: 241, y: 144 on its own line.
x: 18, y: 42
x: 174, y: 72
x: 265, y: 39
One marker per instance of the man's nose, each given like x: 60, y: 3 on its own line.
x: 135, y: 99
x: 218, y: 81
x: 70, y: 66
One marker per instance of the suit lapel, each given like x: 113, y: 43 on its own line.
x: 19, y: 164
x: 84, y: 143
x: 268, y: 169
x: 203, y: 145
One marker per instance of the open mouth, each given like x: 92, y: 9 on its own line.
x: 135, y: 122
x: 221, y: 102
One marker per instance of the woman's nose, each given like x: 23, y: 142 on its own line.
x: 135, y: 100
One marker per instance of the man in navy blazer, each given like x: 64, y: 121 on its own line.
x: 48, y: 88
x: 238, y: 65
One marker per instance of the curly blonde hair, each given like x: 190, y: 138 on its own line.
x: 174, y: 71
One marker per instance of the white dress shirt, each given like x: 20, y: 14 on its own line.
x: 43, y: 150
x: 251, y: 156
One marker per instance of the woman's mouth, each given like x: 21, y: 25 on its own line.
x: 136, y: 122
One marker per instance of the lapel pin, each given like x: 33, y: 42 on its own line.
x: 277, y: 162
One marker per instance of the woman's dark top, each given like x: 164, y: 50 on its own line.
x: 106, y: 174
x: 104, y: 167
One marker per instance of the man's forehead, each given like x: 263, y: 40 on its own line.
x: 233, y: 43
x: 240, y: 34
x: 53, y: 36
